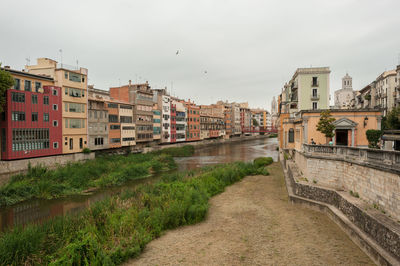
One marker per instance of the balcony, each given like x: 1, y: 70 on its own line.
x: 315, y: 97
x: 315, y: 83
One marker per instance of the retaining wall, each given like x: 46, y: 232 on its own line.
x: 378, y: 236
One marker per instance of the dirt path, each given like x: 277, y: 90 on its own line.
x: 252, y: 223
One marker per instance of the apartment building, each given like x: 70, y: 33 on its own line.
x: 193, y: 121
x: 73, y: 81
x: 384, y: 91
x: 156, y: 124
x: 397, y: 90
x: 211, y: 122
x: 163, y: 101
x: 245, y: 119
x: 128, y: 132
x: 114, y: 125
x: 181, y: 123
x: 30, y: 125
x: 141, y: 96
x: 98, y: 118
x: 173, y: 121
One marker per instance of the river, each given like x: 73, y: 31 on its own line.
x: 35, y: 211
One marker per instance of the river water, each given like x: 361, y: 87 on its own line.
x: 34, y: 211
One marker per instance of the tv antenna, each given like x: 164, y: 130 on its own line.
x: 28, y: 61
x: 61, y: 59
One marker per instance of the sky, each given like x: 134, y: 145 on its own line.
x: 228, y: 49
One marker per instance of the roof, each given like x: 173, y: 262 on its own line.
x: 26, y: 74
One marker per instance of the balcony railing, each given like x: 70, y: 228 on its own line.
x: 389, y: 160
x: 315, y: 96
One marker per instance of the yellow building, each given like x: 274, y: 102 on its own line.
x: 73, y: 82
x: 128, y: 133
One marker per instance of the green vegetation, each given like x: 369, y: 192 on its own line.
x: 373, y: 137
x: 354, y: 194
x: 75, y: 178
x: 184, y: 151
x: 325, y: 125
x: 367, y: 97
x: 274, y: 135
x: 286, y: 156
x: 86, y: 150
x: 118, y: 228
x: 6, y: 82
x: 262, y: 161
x: 255, y: 122
x: 392, y: 120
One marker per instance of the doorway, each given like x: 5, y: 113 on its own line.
x: 342, y: 138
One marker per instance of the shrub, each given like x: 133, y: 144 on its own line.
x: 262, y: 161
x: 274, y: 135
x: 373, y: 137
x: 86, y: 150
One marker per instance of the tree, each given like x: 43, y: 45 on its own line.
x: 255, y: 123
x: 373, y: 137
x: 325, y: 125
x: 392, y: 119
x: 6, y: 82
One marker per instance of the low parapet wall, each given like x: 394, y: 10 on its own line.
x: 377, y: 235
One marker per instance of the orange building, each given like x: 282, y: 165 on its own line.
x: 114, y: 133
x: 193, y: 121
x: 350, y: 127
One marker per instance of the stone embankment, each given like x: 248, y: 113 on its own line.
x: 377, y: 234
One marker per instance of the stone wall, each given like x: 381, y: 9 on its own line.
x: 382, y: 231
x: 376, y: 186
x: 10, y: 168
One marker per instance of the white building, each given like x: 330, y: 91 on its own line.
x: 181, y: 122
x: 344, y: 98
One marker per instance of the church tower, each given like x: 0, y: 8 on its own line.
x: 347, y: 82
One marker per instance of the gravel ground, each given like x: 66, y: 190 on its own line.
x: 253, y: 223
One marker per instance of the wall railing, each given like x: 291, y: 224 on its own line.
x: 389, y: 160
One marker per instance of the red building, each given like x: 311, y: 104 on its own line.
x: 173, y: 122
x: 31, y: 124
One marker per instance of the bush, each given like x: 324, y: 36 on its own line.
x: 262, y: 161
x: 274, y: 135
x: 373, y: 137
x: 184, y: 151
x: 86, y: 150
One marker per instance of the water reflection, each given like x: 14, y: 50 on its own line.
x: 36, y: 211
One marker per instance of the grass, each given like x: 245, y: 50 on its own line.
x: 274, y: 135
x: 354, y: 194
x: 74, y: 178
x: 118, y: 228
x: 263, y: 161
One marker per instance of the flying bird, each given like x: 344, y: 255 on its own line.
x: 177, y: 52
x: 205, y: 72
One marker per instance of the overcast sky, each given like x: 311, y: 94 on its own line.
x: 249, y: 48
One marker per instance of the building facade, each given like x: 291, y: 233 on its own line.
x: 98, y: 119
x: 128, y: 131
x: 156, y: 124
x: 193, y: 121
x: 181, y: 123
x: 73, y: 82
x: 30, y: 126
x: 114, y: 125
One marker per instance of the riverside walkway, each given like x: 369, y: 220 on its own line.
x: 253, y: 223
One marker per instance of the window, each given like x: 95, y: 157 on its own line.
x: 35, y: 117
x: 115, y: 140
x: 127, y: 128
x: 74, y: 123
x: 34, y: 99
x: 71, y: 143
x: 18, y: 97
x: 128, y: 139
x: 28, y: 85
x: 126, y: 119
x: 291, y: 135
x: 129, y: 107
x: 55, y: 92
x: 75, y: 92
x: 75, y: 77
x: 30, y: 139
x: 314, y: 93
x: 113, y: 118
x: 80, y: 143
x: 66, y: 91
x: 75, y: 107
x: 112, y: 105
x: 38, y: 85
x: 66, y: 75
x: 98, y: 141
x: 55, y: 123
x: 46, y: 100
x: 315, y: 81
x: 55, y: 145
x: 17, y: 84
x: 45, y: 117
x: 113, y: 127
x: 314, y: 105
x: 18, y: 116
x: 55, y: 107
